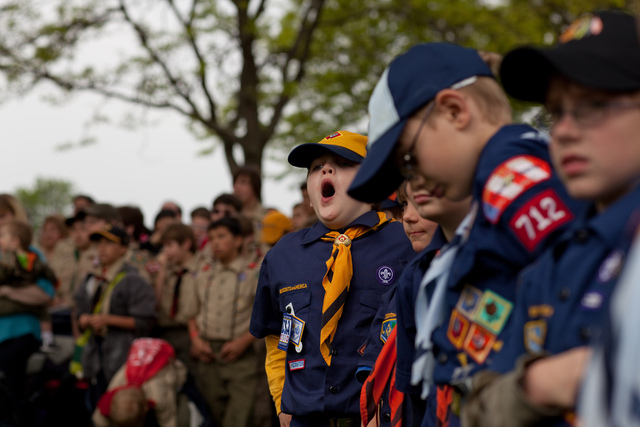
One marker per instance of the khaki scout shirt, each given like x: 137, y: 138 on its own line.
x: 140, y: 259
x: 225, y: 299
x: 62, y: 262
x: 187, y: 307
x: 87, y: 261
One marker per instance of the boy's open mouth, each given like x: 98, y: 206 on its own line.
x: 327, y: 189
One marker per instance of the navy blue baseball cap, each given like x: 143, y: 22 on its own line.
x: 599, y: 50
x: 407, y: 84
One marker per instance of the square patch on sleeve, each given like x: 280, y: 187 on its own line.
x: 478, y: 343
x: 458, y: 328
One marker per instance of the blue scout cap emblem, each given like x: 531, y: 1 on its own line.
x: 611, y: 266
x: 493, y: 311
x: 387, y: 326
x: 385, y: 275
x: 534, y: 336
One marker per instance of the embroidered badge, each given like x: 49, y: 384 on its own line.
x: 478, y: 343
x: 333, y: 135
x: 539, y: 217
x: 285, y: 332
x: 297, y: 327
x: 585, y: 26
x: 535, y: 332
x: 592, y: 300
x: 387, y: 327
x: 611, y: 266
x: 493, y: 311
x: 458, y: 328
x: 512, y: 178
x: 362, y: 348
x: 385, y: 275
x: 296, y: 365
x: 241, y: 276
x: 468, y: 301
x: 544, y: 310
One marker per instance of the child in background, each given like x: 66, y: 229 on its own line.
x: 20, y: 266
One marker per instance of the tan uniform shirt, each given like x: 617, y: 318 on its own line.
x: 186, y: 307
x: 162, y: 389
x: 62, y: 262
x: 224, y: 297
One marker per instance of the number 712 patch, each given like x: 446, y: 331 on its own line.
x: 539, y: 217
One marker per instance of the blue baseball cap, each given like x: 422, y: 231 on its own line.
x: 407, y: 84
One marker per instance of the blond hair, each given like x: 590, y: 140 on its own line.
x: 129, y: 408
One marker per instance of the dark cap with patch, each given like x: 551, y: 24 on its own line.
x: 113, y: 234
x: 599, y: 50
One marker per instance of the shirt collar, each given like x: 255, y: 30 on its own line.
x: 112, y: 271
x: 316, y: 231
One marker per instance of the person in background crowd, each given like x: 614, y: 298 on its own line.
x: 58, y: 250
x: 225, y: 205
x: 81, y: 202
x: 247, y: 187
x: 19, y: 333
x: 173, y: 206
x: 200, y: 220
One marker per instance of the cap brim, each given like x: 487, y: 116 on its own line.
x: 525, y: 72
x: 105, y: 235
x: 304, y: 154
x: 378, y: 175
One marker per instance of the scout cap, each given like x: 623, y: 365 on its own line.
x: 349, y: 145
x: 407, y: 84
x: 599, y: 50
x: 275, y: 224
x: 111, y: 233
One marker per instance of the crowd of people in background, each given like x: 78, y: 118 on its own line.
x: 108, y: 280
x: 452, y: 268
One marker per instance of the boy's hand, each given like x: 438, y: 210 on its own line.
x: 84, y: 321
x: 232, y: 350
x: 98, y: 321
x: 201, y: 350
x: 285, y: 419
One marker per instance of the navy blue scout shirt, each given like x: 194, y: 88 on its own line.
x: 564, y: 296
x: 400, y: 309
x: 522, y: 206
x: 292, y: 273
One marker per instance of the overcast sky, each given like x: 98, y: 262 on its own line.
x: 143, y: 167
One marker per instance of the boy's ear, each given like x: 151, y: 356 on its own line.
x: 186, y: 245
x: 454, y: 107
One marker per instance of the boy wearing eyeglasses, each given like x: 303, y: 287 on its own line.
x: 590, y: 86
x: 438, y: 115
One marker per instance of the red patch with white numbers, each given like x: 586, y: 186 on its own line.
x: 539, y: 217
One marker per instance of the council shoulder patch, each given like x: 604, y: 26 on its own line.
x: 539, y: 217
x: 510, y: 179
x: 535, y: 332
x: 386, y: 328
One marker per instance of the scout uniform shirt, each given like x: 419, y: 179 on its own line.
x: 291, y: 276
x: 176, y: 307
x: 224, y: 299
x: 520, y: 206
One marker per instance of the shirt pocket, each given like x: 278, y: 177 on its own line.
x: 300, y: 301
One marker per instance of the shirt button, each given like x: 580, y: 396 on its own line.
x: 565, y: 293
x: 333, y: 389
x: 387, y: 417
x: 585, y: 333
x: 582, y: 235
x: 442, y: 358
x: 334, y: 351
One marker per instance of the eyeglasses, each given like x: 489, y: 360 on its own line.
x: 587, y: 114
x: 408, y: 163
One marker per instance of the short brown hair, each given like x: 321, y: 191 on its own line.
x: 129, y: 408
x: 201, y: 212
x: 20, y: 230
x: 180, y: 233
x: 254, y: 178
